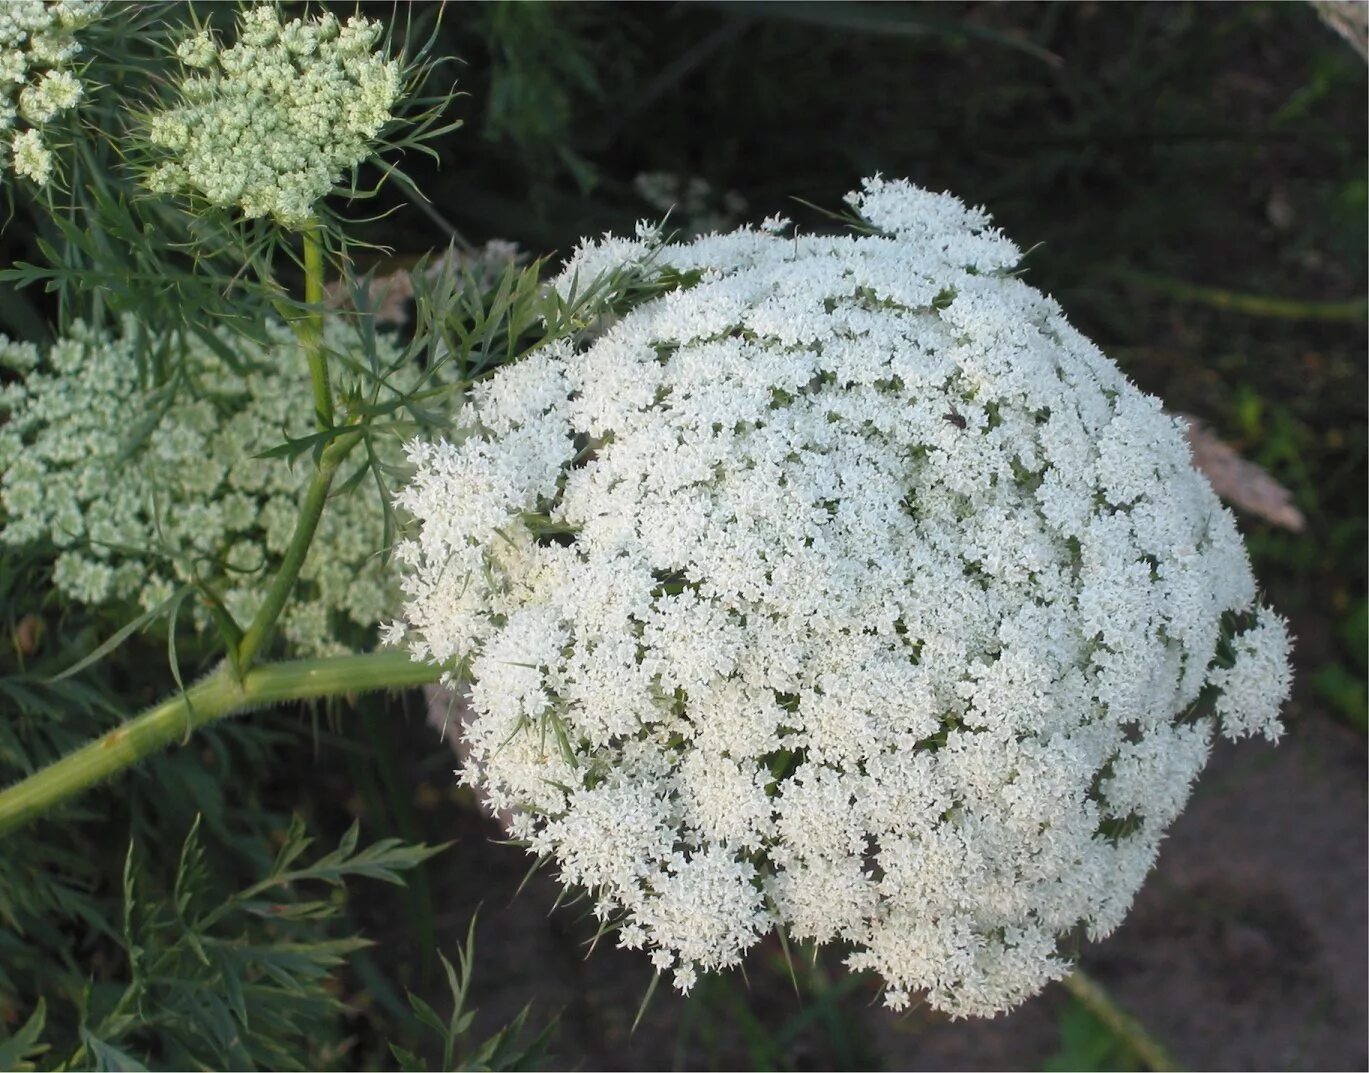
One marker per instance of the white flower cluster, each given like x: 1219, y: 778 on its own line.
x: 37, y: 46
x: 845, y: 589
x: 192, y: 500
x: 273, y: 121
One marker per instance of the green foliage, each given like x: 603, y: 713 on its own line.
x: 24, y: 1048
x: 506, y: 1049
x: 1088, y: 1044
x: 238, y: 982
x: 721, y: 1017
x: 1342, y: 681
x: 227, y: 956
x: 540, y: 63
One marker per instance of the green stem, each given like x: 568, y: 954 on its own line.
x: 310, y: 328
x: 310, y: 512
x: 220, y: 694
x: 1254, y: 305
x: 1094, y: 997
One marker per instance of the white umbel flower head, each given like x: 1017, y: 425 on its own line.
x: 269, y: 125
x: 845, y: 589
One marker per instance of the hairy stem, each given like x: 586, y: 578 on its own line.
x: 310, y: 328
x: 220, y: 694
x: 311, y: 510
x: 1094, y: 997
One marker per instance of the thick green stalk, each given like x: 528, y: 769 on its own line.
x: 1095, y: 998
x: 310, y: 328
x: 220, y: 694
x: 311, y: 510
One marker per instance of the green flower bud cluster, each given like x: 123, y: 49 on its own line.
x: 269, y: 124
x: 37, y: 46
x: 138, y: 491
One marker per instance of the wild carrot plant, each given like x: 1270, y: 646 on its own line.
x: 831, y: 585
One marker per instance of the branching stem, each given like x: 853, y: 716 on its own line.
x: 311, y: 510
x: 237, y: 684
